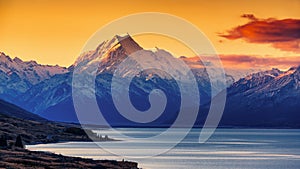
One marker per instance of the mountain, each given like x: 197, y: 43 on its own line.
x: 237, y: 74
x: 265, y: 99
x: 17, y: 76
x: 52, y: 98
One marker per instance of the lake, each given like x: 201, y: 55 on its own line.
x: 226, y: 149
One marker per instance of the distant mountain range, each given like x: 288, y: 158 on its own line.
x: 18, y: 76
x: 266, y: 99
x: 269, y: 98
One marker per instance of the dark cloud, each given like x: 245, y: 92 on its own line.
x: 249, y: 16
x: 282, y: 34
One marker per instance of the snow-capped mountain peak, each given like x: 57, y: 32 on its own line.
x: 272, y: 73
x: 108, y: 56
x: 17, y: 76
x: 101, y: 52
x: 28, y: 70
x: 268, y: 82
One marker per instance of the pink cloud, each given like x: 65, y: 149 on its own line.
x: 282, y: 34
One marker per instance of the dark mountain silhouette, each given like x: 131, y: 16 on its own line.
x: 15, y: 111
x: 19, y: 126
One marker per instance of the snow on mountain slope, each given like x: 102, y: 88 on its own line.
x: 52, y: 98
x: 254, y: 80
x: 29, y: 70
x: 18, y: 76
x: 237, y: 74
x: 199, y: 70
x: 268, y: 98
x: 288, y: 81
x: 47, y: 93
x: 109, y: 55
x: 104, y: 52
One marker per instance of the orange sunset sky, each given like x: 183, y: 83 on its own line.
x: 245, y: 33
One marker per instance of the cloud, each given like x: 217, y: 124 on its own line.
x: 249, y: 16
x: 282, y: 34
x: 243, y: 61
x: 258, y: 61
x: 288, y: 46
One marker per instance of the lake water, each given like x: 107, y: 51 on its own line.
x: 227, y: 148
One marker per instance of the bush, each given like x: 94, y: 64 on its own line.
x: 3, y: 141
x: 75, y: 131
x: 19, y: 142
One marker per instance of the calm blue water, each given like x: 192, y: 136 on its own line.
x: 227, y: 148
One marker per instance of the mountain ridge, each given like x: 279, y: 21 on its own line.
x: 26, y: 69
x: 270, y: 98
x: 17, y: 112
x: 18, y: 76
x: 256, y: 94
x: 106, y: 58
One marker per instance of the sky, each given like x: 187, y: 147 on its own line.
x: 245, y: 33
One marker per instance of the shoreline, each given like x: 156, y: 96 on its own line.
x: 24, y: 158
x: 66, y: 141
x: 30, y: 132
x: 15, y: 157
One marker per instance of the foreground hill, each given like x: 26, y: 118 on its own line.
x: 17, y: 112
x: 33, y: 129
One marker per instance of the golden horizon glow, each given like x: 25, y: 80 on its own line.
x: 54, y: 32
